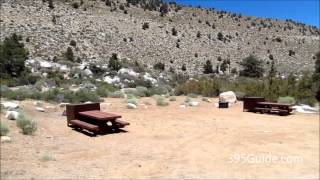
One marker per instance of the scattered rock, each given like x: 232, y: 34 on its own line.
x: 305, y: 109
x: 38, y: 103
x: 131, y: 106
x: 12, y: 115
x: 9, y: 105
x: 5, y: 139
x: 182, y: 106
x: 193, y: 103
x: 40, y: 109
x: 228, y: 96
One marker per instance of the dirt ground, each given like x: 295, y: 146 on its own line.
x: 170, y: 142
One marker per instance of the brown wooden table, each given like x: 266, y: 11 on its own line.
x: 100, y: 115
x: 102, y: 119
x: 272, y: 107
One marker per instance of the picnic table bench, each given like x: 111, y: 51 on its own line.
x: 258, y: 104
x: 88, y: 116
x: 272, y: 107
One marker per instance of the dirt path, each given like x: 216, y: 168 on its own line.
x: 167, y: 142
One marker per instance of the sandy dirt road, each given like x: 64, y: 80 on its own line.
x: 167, y: 142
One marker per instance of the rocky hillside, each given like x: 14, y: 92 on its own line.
x: 184, y: 36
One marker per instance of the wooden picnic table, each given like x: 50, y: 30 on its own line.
x: 273, y: 104
x: 89, y: 116
x: 273, y: 107
x: 100, y: 115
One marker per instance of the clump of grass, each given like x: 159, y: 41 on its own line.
x: 188, y: 100
x: 141, y: 91
x: 27, y: 126
x: 161, y: 101
x: 117, y: 94
x: 192, y: 95
x: 132, y: 101
x: 172, y: 98
x: 4, y: 130
x: 287, y: 100
x: 206, y: 99
x: 46, y: 157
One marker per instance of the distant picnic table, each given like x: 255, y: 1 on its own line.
x: 258, y: 104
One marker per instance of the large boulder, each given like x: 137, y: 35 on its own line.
x: 131, y: 106
x: 5, y: 139
x: 9, y: 105
x: 229, y: 97
x: 12, y: 115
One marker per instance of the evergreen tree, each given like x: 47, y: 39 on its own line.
x: 273, y: 71
x: 164, y: 9
x: 252, y: 67
x: 12, y: 56
x: 50, y: 4
x: 224, y: 66
x: 207, y: 68
x: 114, y: 63
x: 183, y: 68
x: 316, y: 76
x: 220, y: 36
x: 69, y: 54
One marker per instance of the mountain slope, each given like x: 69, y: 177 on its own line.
x: 100, y: 30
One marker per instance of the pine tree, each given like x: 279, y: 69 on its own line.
x: 252, y: 67
x: 69, y: 54
x: 12, y: 56
x: 50, y: 4
x: 183, y: 68
x: 114, y: 63
x: 316, y: 76
x: 208, y: 68
x: 273, y: 71
x: 224, y: 66
x: 220, y: 36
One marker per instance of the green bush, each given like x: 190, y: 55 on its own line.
x: 172, y: 98
x: 192, y: 95
x: 159, y: 66
x: 104, y: 89
x: 4, y: 130
x: 206, y: 99
x: 145, y: 26
x: 161, y: 101
x: 117, y: 94
x: 158, y: 90
x: 207, y: 68
x: 132, y: 101
x: 142, y: 91
x: 27, y: 126
x: 46, y: 157
x: 84, y: 95
x: 286, y: 100
x: 188, y: 99
x: 102, y: 92
x: 209, y: 88
x: 69, y: 54
x: 114, y: 63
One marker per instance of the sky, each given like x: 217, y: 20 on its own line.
x: 304, y: 11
